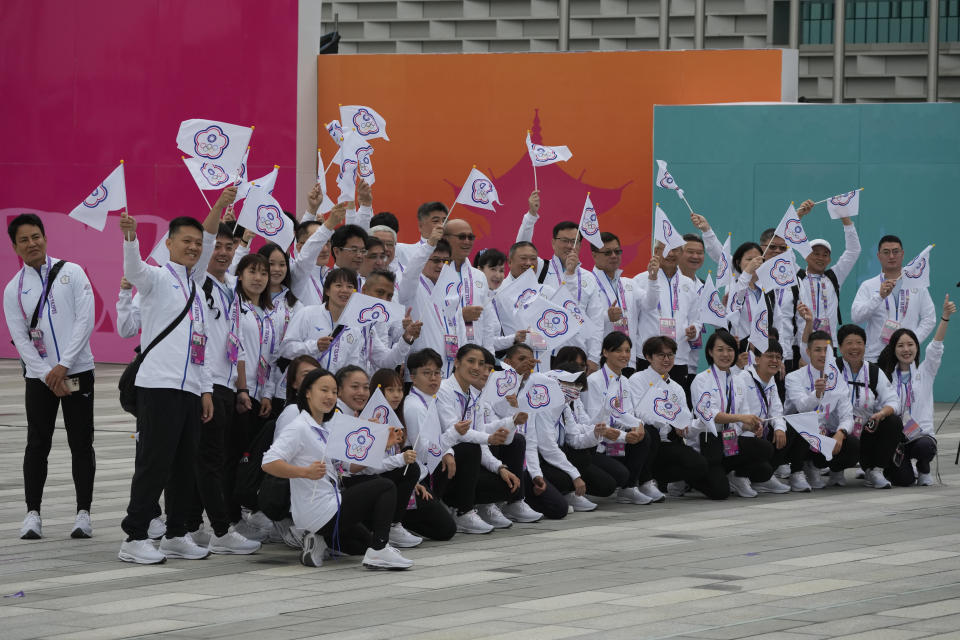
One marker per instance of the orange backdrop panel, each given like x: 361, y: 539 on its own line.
x: 446, y: 113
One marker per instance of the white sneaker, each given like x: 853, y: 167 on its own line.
x: 201, y: 537
x: 314, y: 550
x: 798, y: 482
x: 491, y: 514
x: 520, y: 511
x: 813, y: 476
x: 579, y: 503
x: 837, y: 479
x: 632, y: 495
x: 860, y: 474
x: 570, y: 509
x: 676, y: 489
x: 31, y: 529
x: 874, y: 478
x: 782, y: 472
x: 400, y: 537
x: 251, y: 532
x: 260, y: 520
x: 386, y: 558
x: 924, y: 479
x: 140, y: 552
x: 288, y: 533
x: 82, y: 527
x: 652, y: 491
x: 770, y: 486
x: 741, y: 486
x: 182, y: 547
x: 232, y: 543
x: 156, y: 529
x: 470, y: 522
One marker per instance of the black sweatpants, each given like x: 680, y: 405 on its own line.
x: 168, y: 423
x: 237, y: 436
x: 208, y: 493
x: 848, y: 456
x: 877, y: 447
x: 753, y: 460
x: 460, y: 491
x: 713, y: 483
x: 42, y: 405
x: 365, y: 515
x: 678, y: 462
x: 550, y: 503
x: 599, y: 482
x: 404, y: 482
x: 430, y: 520
x: 923, y: 450
x: 795, y: 452
x: 491, y: 485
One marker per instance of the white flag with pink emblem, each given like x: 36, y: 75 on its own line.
x: 501, y: 384
x: 725, y: 265
x: 791, y: 230
x: 110, y: 195
x: 779, y: 272
x: 218, y: 142
x: 844, y: 205
x: 478, y: 191
x: 335, y: 129
x: 589, y: 225
x: 760, y: 331
x: 916, y: 273
x: 541, y: 394
x: 556, y: 324
x: 357, y: 441
x: 542, y: 156
x: 263, y: 215
x: 364, y: 311
x: 665, y: 180
x: 712, y: 309
x: 426, y: 442
x: 808, y: 426
x: 207, y: 175
x: 664, y: 231
x: 368, y: 123
x: 380, y: 411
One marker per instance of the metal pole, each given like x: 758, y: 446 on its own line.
x: 794, y: 24
x: 933, y: 50
x: 838, y: 49
x: 664, y: 24
x: 564, y: 15
x: 698, y: 24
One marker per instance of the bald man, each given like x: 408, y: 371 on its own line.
x: 474, y: 289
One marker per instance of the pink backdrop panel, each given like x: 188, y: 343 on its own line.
x: 86, y: 84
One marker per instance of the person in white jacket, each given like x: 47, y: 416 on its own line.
x: 914, y: 379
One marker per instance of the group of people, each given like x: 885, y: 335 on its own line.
x: 245, y: 365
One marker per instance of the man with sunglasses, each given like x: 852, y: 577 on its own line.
x: 474, y: 290
x: 615, y: 293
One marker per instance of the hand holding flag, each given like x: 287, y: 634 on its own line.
x: 844, y: 205
x: 791, y: 230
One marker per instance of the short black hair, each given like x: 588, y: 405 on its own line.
x: 384, y: 273
x: 517, y: 346
x: 386, y: 219
x: 568, y: 353
x: 564, y: 226
x: 346, y: 370
x: 889, y: 238
x: 339, y: 274
x: 467, y: 348
x: 489, y: 258
x: 741, y: 251
x: 443, y: 247
x: 305, y: 230
x: 424, y: 211
x: 692, y: 237
x: 605, y: 237
x: 521, y: 245
x: 422, y: 358
x: 767, y: 236
x: 344, y: 233
x: 723, y: 336
x: 614, y: 340
x: 254, y: 260
x: 225, y: 230
x: 291, y: 374
x: 656, y: 344
x: 818, y: 335
x: 24, y: 219
x: 488, y: 358
x: 266, y: 251
x: 848, y: 330
x: 183, y: 221
x: 373, y: 241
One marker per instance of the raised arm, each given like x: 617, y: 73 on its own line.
x: 525, y: 232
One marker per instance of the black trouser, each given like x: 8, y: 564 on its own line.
x: 513, y: 456
x: 208, y: 492
x: 794, y: 452
x: 923, y: 450
x: 168, y: 423
x: 238, y: 435
x: 364, y: 518
x: 42, y: 404
x: 404, y: 482
x: 430, y: 520
x: 550, y: 502
x: 752, y: 461
x: 877, y: 447
x: 679, y: 373
x: 678, y: 462
x: 848, y: 456
x: 713, y: 483
x: 460, y: 491
x: 599, y: 482
x: 637, y: 459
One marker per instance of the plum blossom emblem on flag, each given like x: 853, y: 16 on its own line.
x: 214, y: 174
x: 478, y: 191
x: 376, y: 313
x: 358, y: 443
x: 552, y: 323
x: 666, y: 407
x: 381, y: 414
x: 782, y: 272
x: 715, y: 305
x: 365, y: 123
x: 269, y: 219
x: 845, y: 205
x: 916, y: 273
x: 705, y: 406
x: 538, y: 396
x: 99, y: 195
x: 507, y: 383
x: 210, y: 142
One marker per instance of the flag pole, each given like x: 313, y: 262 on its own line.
x: 535, y: 187
x: 449, y: 212
x: 771, y: 238
x: 198, y: 188
x: 825, y: 199
x: 237, y: 223
x: 682, y: 197
x: 414, y: 447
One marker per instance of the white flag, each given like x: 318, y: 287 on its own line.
x: 513, y: 295
x: 110, y: 195
x: 791, y: 230
x: 240, y: 175
x: 541, y: 394
x: 160, y: 253
x: 779, y: 272
x: 589, y: 225
x: 725, y: 265
x: 712, y: 310
x: 447, y: 291
x: 207, y: 175
x: 501, y: 384
x: 663, y: 404
x: 335, y: 129
x: 541, y: 156
x: 263, y: 215
x: 665, y: 180
x: 478, y: 191
x: 365, y: 311
x: 555, y: 323
x: 563, y: 298
x: 219, y: 142
x: 705, y: 410
x: 321, y: 176
x: 428, y: 439
x: 356, y: 441
x: 663, y: 231
x: 368, y: 123
x: 347, y: 177
x: 845, y: 205
x: 760, y: 331
x: 379, y: 410
x: 267, y: 182
x: 808, y: 426
x: 916, y: 274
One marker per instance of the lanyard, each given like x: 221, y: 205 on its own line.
x: 263, y: 326
x: 855, y: 391
x: 317, y: 288
x: 466, y: 404
x: 559, y: 269
x: 560, y: 431
x: 900, y: 309
x: 674, y: 292
x: 468, y: 298
x: 606, y: 382
x: 335, y: 342
x: 43, y: 293
x: 762, y: 395
x: 415, y: 392
x: 620, y: 298
x: 731, y: 398
x: 183, y: 290
x: 908, y: 386
x: 816, y: 297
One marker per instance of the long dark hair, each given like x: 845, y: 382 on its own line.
x: 388, y: 378
x: 292, y: 369
x: 266, y: 251
x: 887, y: 361
x: 255, y: 260
x: 308, y: 381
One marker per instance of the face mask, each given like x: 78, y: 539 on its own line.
x: 570, y: 392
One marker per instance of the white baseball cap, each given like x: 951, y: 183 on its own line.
x: 821, y: 242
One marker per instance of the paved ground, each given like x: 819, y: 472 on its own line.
x: 851, y: 563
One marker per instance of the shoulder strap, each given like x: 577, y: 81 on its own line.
x: 832, y: 277
x: 543, y: 272
x: 163, y: 334
x: 874, y: 371
x: 51, y: 278
x: 770, y: 298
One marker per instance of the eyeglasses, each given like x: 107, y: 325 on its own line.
x: 780, y: 248
x: 429, y: 373
x: 462, y: 237
x: 355, y: 250
x: 666, y: 356
x: 609, y: 252
x: 565, y: 241
x: 437, y: 260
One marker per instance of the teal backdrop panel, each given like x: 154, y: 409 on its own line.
x: 742, y: 165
